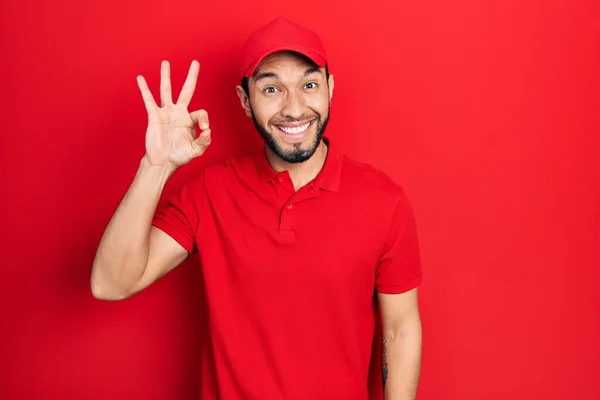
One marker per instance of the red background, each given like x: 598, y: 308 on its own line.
x: 488, y: 115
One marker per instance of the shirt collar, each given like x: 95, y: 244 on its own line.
x: 328, y: 178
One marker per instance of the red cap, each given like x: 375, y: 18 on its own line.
x: 281, y: 35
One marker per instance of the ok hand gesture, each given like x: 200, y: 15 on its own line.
x: 171, y: 133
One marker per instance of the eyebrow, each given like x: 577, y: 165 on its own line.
x: 312, y: 70
x: 261, y: 75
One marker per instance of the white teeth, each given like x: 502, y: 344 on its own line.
x: 296, y: 130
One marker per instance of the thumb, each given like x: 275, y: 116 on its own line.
x: 202, y: 142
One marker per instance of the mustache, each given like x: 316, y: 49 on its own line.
x: 315, y: 118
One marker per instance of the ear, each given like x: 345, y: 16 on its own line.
x: 244, y: 100
x: 330, y: 83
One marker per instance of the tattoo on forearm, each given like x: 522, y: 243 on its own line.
x: 384, y: 372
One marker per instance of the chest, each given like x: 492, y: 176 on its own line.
x: 278, y: 237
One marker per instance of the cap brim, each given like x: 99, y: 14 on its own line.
x: 316, y: 57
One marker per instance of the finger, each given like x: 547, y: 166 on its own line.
x: 165, y: 84
x: 190, y: 84
x: 200, y: 118
x: 202, y: 142
x: 146, y: 94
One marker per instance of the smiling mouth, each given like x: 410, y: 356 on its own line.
x: 295, y: 130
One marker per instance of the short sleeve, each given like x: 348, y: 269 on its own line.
x: 399, y: 268
x: 178, y: 215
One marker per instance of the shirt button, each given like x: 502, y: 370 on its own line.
x: 280, y: 179
x: 289, y: 206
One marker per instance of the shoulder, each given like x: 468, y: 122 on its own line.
x: 380, y: 197
x: 222, y: 171
x: 369, y: 179
x: 232, y: 165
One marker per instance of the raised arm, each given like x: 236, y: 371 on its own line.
x: 132, y: 253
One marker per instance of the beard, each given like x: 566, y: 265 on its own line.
x: 297, y: 154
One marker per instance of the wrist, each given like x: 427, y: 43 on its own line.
x: 162, y: 172
x: 167, y: 169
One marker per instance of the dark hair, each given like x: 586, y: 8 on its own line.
x: 245, y: 80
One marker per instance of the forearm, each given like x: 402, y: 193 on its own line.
x: 123, y: 250
x: 402, y: 360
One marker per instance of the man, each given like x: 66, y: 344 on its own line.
x: 300, y: 245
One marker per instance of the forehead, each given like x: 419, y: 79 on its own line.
x: 285, y: 60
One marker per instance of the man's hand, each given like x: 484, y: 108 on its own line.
x: 171, y: 134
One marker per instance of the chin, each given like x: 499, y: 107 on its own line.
x: 292, y: 147
x: 295, y: 149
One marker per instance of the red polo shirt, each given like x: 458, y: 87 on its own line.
x: 290, y: 276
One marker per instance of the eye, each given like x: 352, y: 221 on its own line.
x: 270, y: 89
x: 311, y: 85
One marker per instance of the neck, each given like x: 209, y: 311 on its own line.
x: 300, y: 173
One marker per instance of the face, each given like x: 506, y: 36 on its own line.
x: 289, y: 100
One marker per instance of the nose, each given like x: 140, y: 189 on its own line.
x: 293, y: 107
